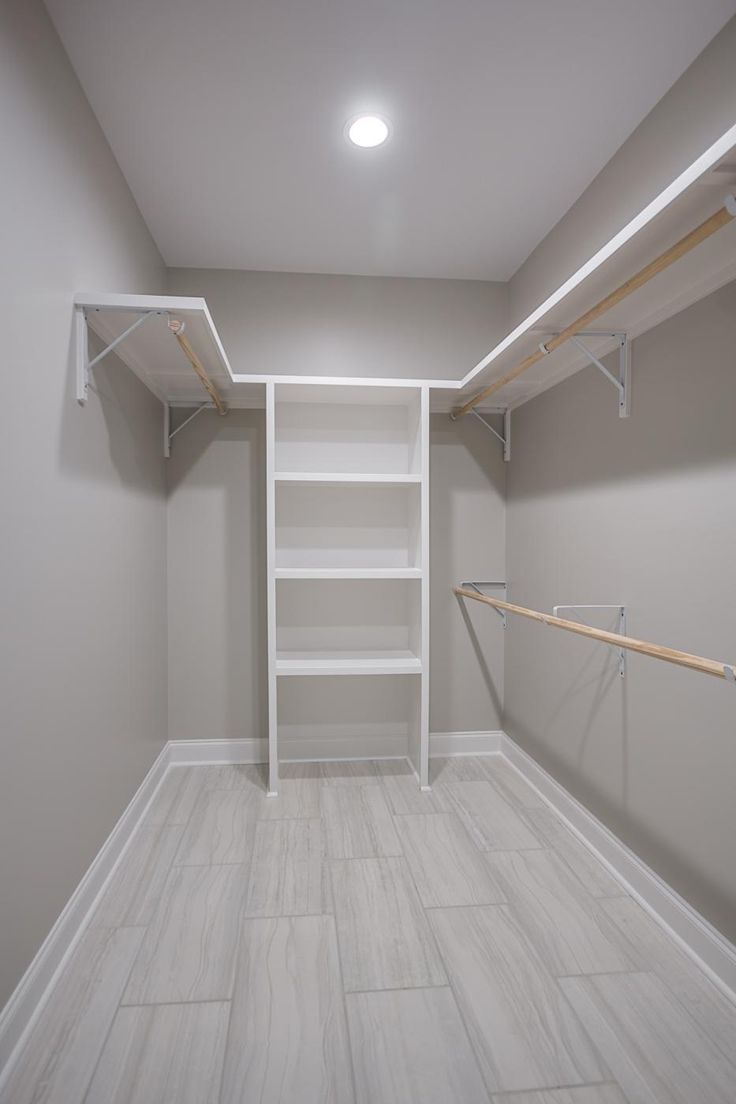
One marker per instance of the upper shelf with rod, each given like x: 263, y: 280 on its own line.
x: 628, y: 285
x: 169, y: 341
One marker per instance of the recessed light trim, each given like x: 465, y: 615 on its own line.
x: 368, y: 131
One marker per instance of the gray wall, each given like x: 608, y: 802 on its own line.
x: 82, y: 673
x: 217, y: 577
x: 349, y: 325
x: 697, y: 110
x: 640, y: 512
x: 467, y: 541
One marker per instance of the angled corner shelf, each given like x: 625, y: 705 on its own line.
x: 170, y: 342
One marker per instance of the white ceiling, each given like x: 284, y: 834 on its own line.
x: 227, y: 118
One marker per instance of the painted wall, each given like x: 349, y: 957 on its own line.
x: 639, y: 512
x: 82, y: 595
x: 217, y: 578
x: 467, y: 541
x: 698, y: 109
x: 349, y: 325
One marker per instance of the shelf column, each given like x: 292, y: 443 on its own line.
x: 273, y: 756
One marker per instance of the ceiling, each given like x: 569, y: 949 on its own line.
x: 227, y: 119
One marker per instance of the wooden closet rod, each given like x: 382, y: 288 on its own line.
x: 177, y: 329
x: 656, y: 651
x: 720, y: 218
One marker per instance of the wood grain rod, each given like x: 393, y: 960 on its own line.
x: 193, y: 359
x: 643, y: 647
x: 711, y: 225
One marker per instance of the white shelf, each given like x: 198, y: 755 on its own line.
x: 387, y: 662
x: 348, y: 573
x: 339, y: 479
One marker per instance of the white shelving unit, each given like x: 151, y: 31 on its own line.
x: 348, y: 572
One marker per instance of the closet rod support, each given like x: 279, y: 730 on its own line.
x: 621, y: 626
x: 623, y: 383
x: 504, y: 438
x: 170, y: 434
x: 487, y: 583
x: 84, y: 364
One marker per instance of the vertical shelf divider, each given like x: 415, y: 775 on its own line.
x: 424, y: 624
x: 273, y: 753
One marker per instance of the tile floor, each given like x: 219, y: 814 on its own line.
x: 354, y: 941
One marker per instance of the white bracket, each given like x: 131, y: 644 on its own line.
x: 505, y: 439
x: 493, y: 583
x: 621, y: 628
x: 84, y: 364
x: 623, y: 383
x: 170, y: 433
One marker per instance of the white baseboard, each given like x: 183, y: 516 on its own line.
x: 704, y: 943
x: 464, y: 743
x: 215, y: 752
x: 19, y: 1014
x: 294, y: 748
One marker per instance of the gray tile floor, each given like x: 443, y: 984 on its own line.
x: 354, y: 941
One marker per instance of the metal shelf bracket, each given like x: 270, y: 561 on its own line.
x: 170, y: 433
x: 621, y: 628
x: 84, y: 364
x: 505, y: 439
x: 486, y: 583
x: 623, y: 383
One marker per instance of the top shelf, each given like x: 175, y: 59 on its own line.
x: 373, y: 438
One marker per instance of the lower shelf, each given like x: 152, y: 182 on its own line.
x: 348, y: 663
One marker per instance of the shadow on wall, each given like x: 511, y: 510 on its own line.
x: 663, y: 855
x: 467, y: 541
x: 668, y: 391
x: 217, y: 576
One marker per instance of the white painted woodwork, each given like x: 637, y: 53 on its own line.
x: 348, y: 568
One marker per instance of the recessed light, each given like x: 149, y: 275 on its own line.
x: 368, y: 131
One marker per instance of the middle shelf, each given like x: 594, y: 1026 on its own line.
x: 379, y: 662
x: 333, y: 526
x: 341, y: 627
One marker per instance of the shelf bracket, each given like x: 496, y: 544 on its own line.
x: 623, y: 383
x: 84, y: 364
x: 170, y: 433
x: 504, y: 438
x: 621, y: 628
x: 487, y: 583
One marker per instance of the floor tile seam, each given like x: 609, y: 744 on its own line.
x: 341, y: 983
x: 108, y: 1032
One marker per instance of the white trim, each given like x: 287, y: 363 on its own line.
x: 465, y: 743
x: 307, y: 748
x: 216, y: 752
x: 31, y: 993
x: 715, y: 955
